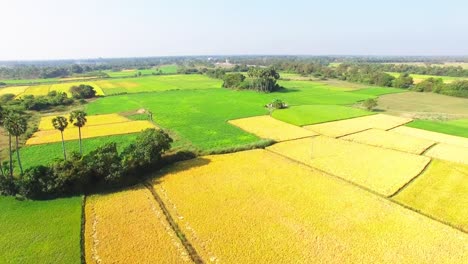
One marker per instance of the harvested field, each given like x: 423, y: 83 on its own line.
x: 268, y: 127
x: 258, y: 213
x: 449, y: 152
x: 434, y: 136
x: 381, y: 170
x: 94, y: 120
x: 441, y: 191
x: 49, y: 136
x: 350, y: 126
x: 391, y: 140
x: 129, y: 227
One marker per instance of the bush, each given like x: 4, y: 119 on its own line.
x: 104, y: 165
x: 370, y: 104
x: 39, y: 183
x: 277, y: 104
x: 83, y: 91
x: 233, y: 80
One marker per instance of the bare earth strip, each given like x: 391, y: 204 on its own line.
x: 354, y: 125
x: 434, y: 136
x: 441, y: 192
x: 270, y: 128
x: 129, y: 227
x: 391, y: 140
x: 269, y: 209
x: 449, y: 152
x: 382, y: 170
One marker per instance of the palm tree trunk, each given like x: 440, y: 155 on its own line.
x: 11, y: 156
x: 1, y: 169
x: 18, y: 155
x: 63, y: 147
x: 81, y: 148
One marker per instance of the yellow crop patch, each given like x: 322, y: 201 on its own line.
x: 269, y: 209
x: 49, y: 136
x: 391, y: 140
x: 36, y: 90
x: 349, y: 126
x: 268, y: 127
x: 129, y: 227
x: 449, y: 152
x: 381, y: 170
x: 65, y: 87
x: 442, y: 192
x: 434, y: 136
x: 16, y: 90
x: 94, y: 120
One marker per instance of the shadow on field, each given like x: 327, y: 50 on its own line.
x: 287, y: 90
x: 179, y: 167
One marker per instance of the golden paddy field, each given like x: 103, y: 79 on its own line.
x: 449, y: 153
x: 270, y: 209
x: 44, y: 89
x: 434, y: 136
x: 129, y: 227
x: 270, y: 128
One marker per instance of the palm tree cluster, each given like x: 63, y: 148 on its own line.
x: 16, y: 124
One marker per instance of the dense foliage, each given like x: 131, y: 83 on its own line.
x: 82, y: 91
x: 37, y: 103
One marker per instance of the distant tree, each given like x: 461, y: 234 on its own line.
x: 82, y: 91
x: 78, y: 119
x: 16, y: 125
x: 403, y: 81
x: 60, y: 123
x: 264, y: 79
x: 370, y: 104
x: 75, y: 68
x: 430, y: 85
x: 233, y: 80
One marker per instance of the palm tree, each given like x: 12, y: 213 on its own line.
x: 16, y: 125
x: 1, y: 123
x: 78, y: 119
x: 60, y: 123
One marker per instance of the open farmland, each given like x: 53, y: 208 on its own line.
x: 40, y: 231
x: 129, y: 227
x: 350, y: 126
x: 270, y: 128
x: 291, y: 212
x: 16, y: 90
x: 451, y: 127
x: 434, y: 136
x: 441, y: 191
x: 449, y: 152
x: 381, y: 170
x: 417, y: 78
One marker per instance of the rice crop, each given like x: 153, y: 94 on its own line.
x: 449, y: 152
x: 434, y: 136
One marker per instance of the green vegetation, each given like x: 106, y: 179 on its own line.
x: 453, y: 127
x: 313, y: 114
x: 165, y: 69
x: 40, y: 231
x: 420, y: 77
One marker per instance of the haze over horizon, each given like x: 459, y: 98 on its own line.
x: 54, y: 29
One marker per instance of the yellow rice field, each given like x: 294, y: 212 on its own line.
x: 434, y: 136
x: 36, y: 90
x: 49, y: 136
x: 381, y: 170
x: 449, y: 152
x: 391, y: 140
x: 129, y: 227
x: 268, y: 127
x: 269, y: 209
x: 442, y: 192
x: 16, y: 90
x: 349, y: 126
x: 65, y: 87
x: 94, y: 120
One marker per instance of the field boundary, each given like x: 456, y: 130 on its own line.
x: 194, y: 256
x: 387, y: 198
x: 410, y: 181
x: 83, y: 230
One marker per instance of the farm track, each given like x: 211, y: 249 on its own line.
x: 195, y: 257
x: 388, y: 198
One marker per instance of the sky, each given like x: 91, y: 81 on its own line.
x: 64, y: 29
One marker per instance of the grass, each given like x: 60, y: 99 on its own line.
x: 442, y: 192
x: 165, y: 69
x: 277, y: 211
x: 200, y: 116
x: 452, y: 127
x: 132, y: 222
x: 40, y: 231
x: 313, y: 114
x: 157, y: 83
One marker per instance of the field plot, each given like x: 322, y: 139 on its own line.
x: 449, y: 152
x: 292, y: 213
x: 312, y: 114
x: 270, y: 128
x: 95, y: 120
x: 16, y: 90
x: 36, y: 90
x: 441, y: 191
x: 391, y: 140
x: 452, y: 127
x: 417, y: 78
x: 129, y: 227
x: 350, y: 126
x: 377, y: 91
x: 65, y: 87
x: 40, y: 231
x: 434, y: 136
x: 381, y: 170
x: 50, y: 136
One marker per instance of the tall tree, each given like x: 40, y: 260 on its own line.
x: 60, y: 123
x: 78, y: 119
x: 1, y: 124
x: 16, y: 125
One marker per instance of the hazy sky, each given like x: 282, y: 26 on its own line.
x: 56, y: 29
